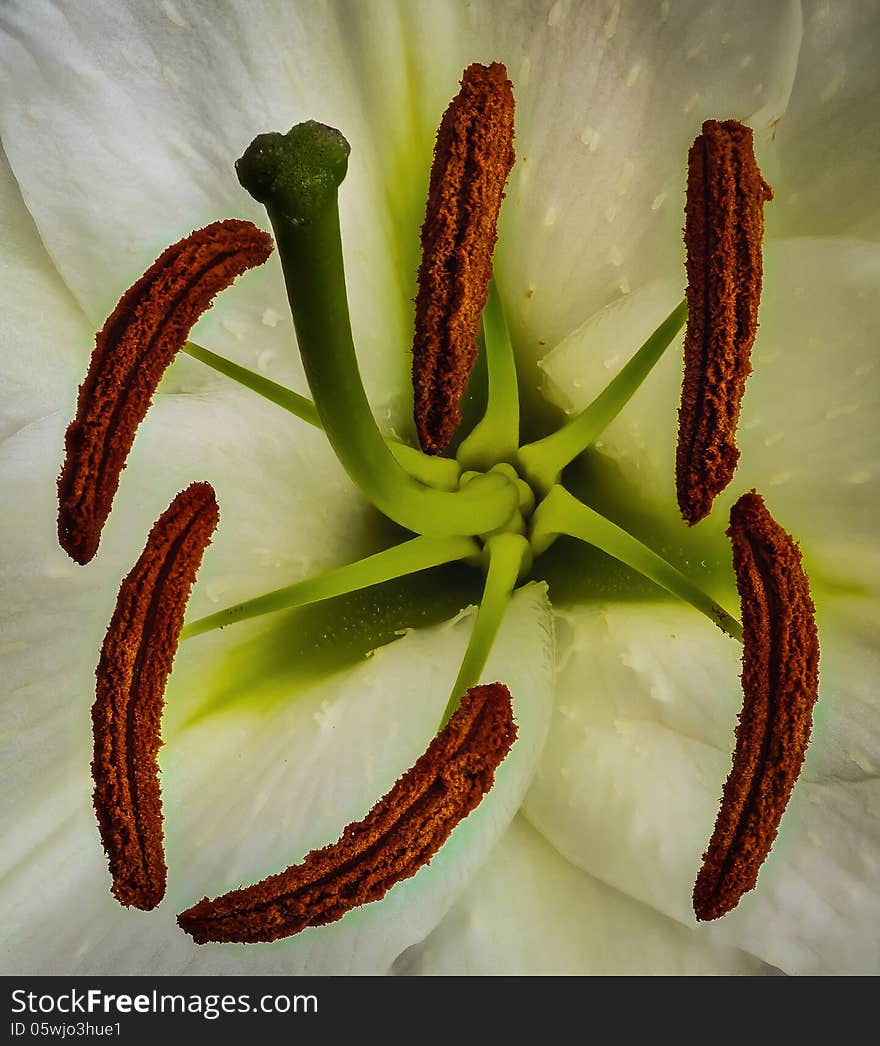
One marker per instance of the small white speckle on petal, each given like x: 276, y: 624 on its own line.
x: 615, y: 256
x: 265, y: 358
x: 235, y: 327
x: 758, y: 88
x: 525, y: 68
x: 555, y: 13
x: 59, y: 571
x: 746, y: 61
x: 170, y: 77
x: 613, y: 19
x: 773, y: 438
x: 691, y: 103
x: 862, y: 762
x: 173, y: 15
x: 550, y: 216
x: 658, y: 201
x: 664, y: 10
x: 625, y: 177
x: 865, y: 368
x: 624, y: 286
x: 635, y: 71
x: 842, y: 411
x: 696, y: 50
x: 611, y: 212
x: 780, y: 478
x: 831, y: 88
x: 127, y: 55
x: 856, y: 479
x: 270, y: 318
x: 590, y: 138
x: 725, y: 39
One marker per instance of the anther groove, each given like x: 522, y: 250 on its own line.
x: 136, y: 659
x: 724, y: 230
x: 137, y: 343
x: 473, y: 156
x: 398, y: 836
x: 780, y: 681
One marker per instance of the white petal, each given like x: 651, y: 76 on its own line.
x: 122, y: 125
x: 638, y: 752
x: 531, y: 913
x: 44, y: 338
x: 807, y: 439
x: 610, y: 98
x: 828, y: 146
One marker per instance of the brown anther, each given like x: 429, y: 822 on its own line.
x: 135, y: 662
x: 724, y: 229
x: 398, y: 836
x: 137, y: 343
x: 780, y: 681
x: 473, y: 156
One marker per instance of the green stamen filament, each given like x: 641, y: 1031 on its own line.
x: 441, y: 473
x: 408, y: 558
x: 506, y: 553
x: 297, y: 177
x: 496, y: 437
x: 542, y: 462
x: 561, y: 513
x: 300, y: 406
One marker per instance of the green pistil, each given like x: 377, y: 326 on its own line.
x: 441, y: 473
x: 409, y: 558
x: 507, y: 554
x: 542, y: 462
x: 297, y: 177
x: 496, y: 437
x: 561, y: 513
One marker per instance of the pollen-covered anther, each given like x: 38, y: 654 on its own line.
x: 398, y: 836
x: 780, y: 682
x: 724, y: 230
x: 135, y: 662
x: 473, y: 156
x: 137, y: 343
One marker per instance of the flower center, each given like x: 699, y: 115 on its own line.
x: 497, y: 504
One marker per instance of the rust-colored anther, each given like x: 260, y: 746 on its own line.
x: 473, y: 156
x: 135, y: 662
x: 780, y: 682
x: 132, y: 351
x: 398, y: 836
x: 724, y: 230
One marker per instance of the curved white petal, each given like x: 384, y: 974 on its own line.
x: 610, y: 97
x: 122, y: 124
x: 44, y: 338
x: 638, y: 752
x: 827, y: 142
x: 807, y: 436
x: 529, y: 912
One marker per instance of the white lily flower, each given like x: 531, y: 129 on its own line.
x: 120, y: 123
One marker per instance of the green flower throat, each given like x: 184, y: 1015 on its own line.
x: 496, y: 505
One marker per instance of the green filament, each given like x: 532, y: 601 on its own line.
x: 542, y: 462
x: 496, y: 437
x: 441, y: 473
x: 507, y: 553
x: 408, y: 558
x: 300, y: 406
x: 561, y: 513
